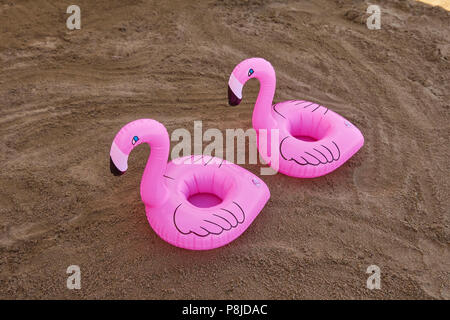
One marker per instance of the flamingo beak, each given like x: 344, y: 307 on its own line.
x: 233, y: 100
x: 117, y: 160
x: 234, y: 91
x: 114, y: 170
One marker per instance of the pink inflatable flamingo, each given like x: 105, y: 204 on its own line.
x: 195, y: 202
x: 313, y: 140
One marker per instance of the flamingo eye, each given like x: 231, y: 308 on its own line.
x: 134, y: 140
x: 250, y: 72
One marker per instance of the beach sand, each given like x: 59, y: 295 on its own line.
x: 64, y: 95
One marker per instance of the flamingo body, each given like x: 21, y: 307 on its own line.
x: 313, y: 140
x: 191, y: 226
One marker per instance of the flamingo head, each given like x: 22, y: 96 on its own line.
x: 140, y: 131
x: 121, y: 147
x: 244, y: 71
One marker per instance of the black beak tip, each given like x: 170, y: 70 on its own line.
x: 233, y: 100
x: 114, y: 169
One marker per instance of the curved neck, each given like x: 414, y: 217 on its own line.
x: 153, y: 187
x: 262, y: 113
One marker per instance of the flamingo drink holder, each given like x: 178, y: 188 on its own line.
x: 195, y: 202
x: 313, y: 140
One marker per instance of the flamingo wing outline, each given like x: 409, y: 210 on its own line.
x: 214, y: 222
x: 317, y: 155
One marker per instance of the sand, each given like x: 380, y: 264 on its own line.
x: 442, y: 3
x: 64, y: 94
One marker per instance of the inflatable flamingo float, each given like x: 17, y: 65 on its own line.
x: 313, y: 140
x: 195, y: 202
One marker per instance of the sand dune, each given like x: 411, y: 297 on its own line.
x: 64, y: 94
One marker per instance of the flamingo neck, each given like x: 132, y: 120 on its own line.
x: 262, y: 113
x: 154, y: 191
